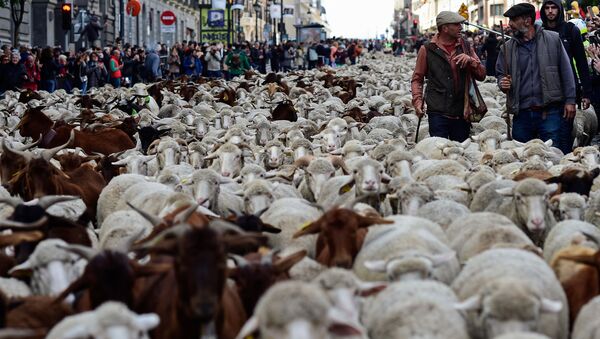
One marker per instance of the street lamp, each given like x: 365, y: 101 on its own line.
x: 256, y: 10
x: 386, y: 33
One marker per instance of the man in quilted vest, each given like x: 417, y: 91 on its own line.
x: 539, y: 81
x: 445, y: 62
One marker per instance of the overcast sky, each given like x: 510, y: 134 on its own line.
x: 359, y: 18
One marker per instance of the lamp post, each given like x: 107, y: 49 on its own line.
x: 256, y: 10
x: 282, y: 27
x: 386, y: 33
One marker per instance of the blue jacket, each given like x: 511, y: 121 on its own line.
x: 152, y: 64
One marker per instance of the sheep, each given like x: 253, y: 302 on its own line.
x: 415, y: 309
x: 442, y: 212
x: 489, y: 140
x: 522, y: 335
x: 477, y: 232
x: 109, y: 197
x: 568, y: 206
x: 318, y: 171
x: 207, y: 192
x: 428, y: 168
x: 119, y: 227
x: 568, y: 232
x: 410, y: 197
x: 585, y: 127
x: 528, y: 207
x: 14, y: 288
x: 230, y: 158
x: 586, y: 325
x: 259, y: 194
x: 505, y: 289
x: 406, y: 250
x: 110, y: 320
x: 399, y: 163
x: 293, y: 309
x: 52, y: 268
x: 487, y: 196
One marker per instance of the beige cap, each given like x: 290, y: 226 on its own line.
x: 447, y: 17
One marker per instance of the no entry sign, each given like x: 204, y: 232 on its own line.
x: 167, y: 18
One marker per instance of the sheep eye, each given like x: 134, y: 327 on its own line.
x: 355, y: 171
x: 262, y: 175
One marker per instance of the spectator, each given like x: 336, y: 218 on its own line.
x: 64, y: 78
x: 152, y: 65
x: 115, y: 68
x: 33, y: 74
x: 300, y: 57
x: 81, y: 79
x: 237, y: 62
x: 289, y: 54
x: 491, y: 51
x: 96, y: 72
x: 198, y: 61
x: 174, y: 63
x: 14, y: 73
x: 129, y: 67
x: 213, y: 62
x: 189, y: 64
x: 92, y: 31
x: 313, y: 56
x: 48, y: 71
x: 332, y: 51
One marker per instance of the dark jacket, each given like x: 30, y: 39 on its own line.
x: 553, y: 64
x: 96, y: 75
x: 48, y: 70
x: 14, y: 75
x: 491, y: 49
x: 573, y: 42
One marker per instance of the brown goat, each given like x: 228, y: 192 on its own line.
x: 39, y: 313
x: 578, y: 270
x: 575, y: 180
x: 254, y: 275
x: 193, y: 298
x: 341, y: 235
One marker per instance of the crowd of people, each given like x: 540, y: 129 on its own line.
x: 50, y: 69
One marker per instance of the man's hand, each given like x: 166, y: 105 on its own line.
x: 585, y: 103
x: 419, y: 112
x: 505, y: 83
x: 569, y: 111
x: 462, y: 60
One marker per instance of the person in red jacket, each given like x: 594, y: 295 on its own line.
x: 33, y: 74
x: 115, y: 69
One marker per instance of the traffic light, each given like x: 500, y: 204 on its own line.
x: 415, y: 23
x: 66, y: 10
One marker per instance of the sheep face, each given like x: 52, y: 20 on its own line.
x: 410, y: 265
x: 317, y: 173
x: 263, y: 134
x: 274, y: 156
x: 400, y: 168
x: 569, y: 206
x: 412, y: 196
x: 205, y: 186
x: 368, y: 176
x: 230, y: 159
x: 508, y: 306
x: 530, y: 199
x: 167, y: 157
x: 256, y: 200
x: 136, y: 164
x: 330, y: 140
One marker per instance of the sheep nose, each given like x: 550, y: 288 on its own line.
x: 226, y: 174
x: 538, y: 222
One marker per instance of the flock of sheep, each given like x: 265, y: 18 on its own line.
x: 469, y: 239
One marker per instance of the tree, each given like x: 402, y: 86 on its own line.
x: 17, y: 9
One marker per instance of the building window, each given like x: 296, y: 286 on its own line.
x: 496, y: 10
x: 474, y: 15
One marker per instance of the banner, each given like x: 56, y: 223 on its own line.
x: 213, y: 25
x: 275, y: 11
x: 288, y: 11
x: 219, y: 4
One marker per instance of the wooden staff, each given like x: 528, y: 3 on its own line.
x: 506, y: 72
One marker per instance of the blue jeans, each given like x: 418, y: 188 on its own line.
x: 444, y: 127
x: 116, y: 82
x: 530, y: 124
x: 214, y: 74
x: 84, y: 87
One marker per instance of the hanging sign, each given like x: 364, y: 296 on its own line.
x: 133, y: 7
x: 275, y: 11
x: 219, y: 4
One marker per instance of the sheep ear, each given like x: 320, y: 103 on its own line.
x: 503, y: 137
x: 146, y: 322
x: 475, y: 138
x: 385, y: 178
x: 550, y: 306
x: 465, y: 143
x: 379, y: 266
x: 471, y: 304
x: 226, y: 180
x: 21, y: 271
x: 548, y: 142
x: 368, y: 221
x: 249, y: 328
x: 347, y: 187
x: 366, y: 289
x: 340, y: 326
x: 507, y: 191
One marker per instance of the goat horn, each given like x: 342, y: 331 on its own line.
x: 259, y: 213
x: 12, y: 201
x: 154, y: 220
x: 7, y: 148
x: 183, y: 216
x: 221, y: 226
x: 23, y: 226
x: 47, y: 201
x: 28, y: 146
x: 173, y: 231
x: 131, y: 240
x: 83, y: 251
x: 49, y: 153
x: 234, y: 212
x: 239, y: 260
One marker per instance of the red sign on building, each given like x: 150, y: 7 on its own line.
x: 167, y: 18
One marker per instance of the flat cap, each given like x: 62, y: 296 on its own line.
x: 447, y: 17
x: 520, y: 10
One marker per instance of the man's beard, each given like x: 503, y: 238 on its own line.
x: 520, y: 32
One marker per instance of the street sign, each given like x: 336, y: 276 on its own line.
x: 167, y: 18
x: 167, y: 29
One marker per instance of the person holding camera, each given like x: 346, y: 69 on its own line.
x: 32, y: 73
x: 213, y: 61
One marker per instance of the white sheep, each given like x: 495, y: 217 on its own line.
x: 503, y: 290
x: 109, y: 197
x: 442, y: 212
x: 569, y: 232
x: 586, y: 325
x: 110, y: 320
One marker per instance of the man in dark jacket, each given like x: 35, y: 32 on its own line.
x: 553, y: 19
x: 14, y: 73
x: 539, y: 80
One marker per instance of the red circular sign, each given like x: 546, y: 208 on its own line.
x: 133, y: 7
x: 167, y: 18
